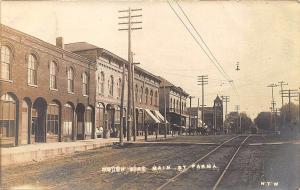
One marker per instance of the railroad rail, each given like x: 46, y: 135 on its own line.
x: 170, y: 180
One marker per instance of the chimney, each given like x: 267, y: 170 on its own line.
x: 60, y: 42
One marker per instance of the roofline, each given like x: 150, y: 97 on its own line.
x: 55, y: 48
x: 177, y: 88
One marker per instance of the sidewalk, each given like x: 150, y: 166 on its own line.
x: 43, y: 151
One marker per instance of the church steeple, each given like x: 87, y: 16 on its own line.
x: 218, y: 102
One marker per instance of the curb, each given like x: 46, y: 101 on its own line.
x: 38, y: 155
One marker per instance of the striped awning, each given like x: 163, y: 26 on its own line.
x: 160, y: 117
x: 150, y: 114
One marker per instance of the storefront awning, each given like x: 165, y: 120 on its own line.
x: 152, y: 116
x: 160, y: 117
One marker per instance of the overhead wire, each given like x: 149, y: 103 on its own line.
x: 193, y: 36
x: 214, y: 60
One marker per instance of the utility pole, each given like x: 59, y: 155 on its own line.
x: 289, y: 94
x: 190, y: 122
x: 273, y: 102
x: 180, y: 112
x: 272, y: 86
x: 282, y: 83
x: 299, y: 110
x: 202, y: 80
x: 133, y: 99
x: 165, y: 109
x: 129, y: 29
x: 197, y: 122
x: 275, y: 121
x: 238, y: 118
x: 225, y: 99
x: 215, y: 120
x: 122, y: 117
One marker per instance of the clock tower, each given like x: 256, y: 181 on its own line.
x: 218, y: 114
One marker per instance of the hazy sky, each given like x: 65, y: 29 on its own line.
x: 264, y: 37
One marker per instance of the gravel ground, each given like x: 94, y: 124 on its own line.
x: 252, y: 165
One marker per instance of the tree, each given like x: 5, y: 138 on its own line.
x: 286, y: 116
x: 232, y: 122
x: 263, y: 120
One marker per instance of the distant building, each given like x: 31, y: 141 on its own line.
x: 175, y: 99
x: 195, y: 114
x: 213, y: 116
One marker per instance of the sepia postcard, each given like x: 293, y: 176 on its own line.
x: 150, y: 95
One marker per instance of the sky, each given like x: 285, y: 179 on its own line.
x: 263, y: 36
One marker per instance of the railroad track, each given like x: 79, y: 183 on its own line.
x: 210, y: 153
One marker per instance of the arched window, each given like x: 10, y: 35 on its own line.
x: 156, y: 98
x: 84, y: 84
x: 177, y: 105
x: 6, y: 57
x: 32, y: 69
x: 171, y: 102
x: 7, y: 116
x: 102, y: 82
x: 174, y: 106
x: 119, y: 87
x: 53, y: 75
x: 111, y: 85
x: 141, y: 94
x: 146, y: 96
x: 70, y: 80
x: 151, y: 97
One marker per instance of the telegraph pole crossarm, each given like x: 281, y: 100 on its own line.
x: 289, y: 94
x: 129, y: 29
x: 282, y: 83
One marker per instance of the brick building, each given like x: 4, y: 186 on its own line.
x: 47, y: 93
x: 213, y: 116
x: 108, y: 98
x: 176, y: 104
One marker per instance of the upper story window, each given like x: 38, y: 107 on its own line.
x: 53, y: 75
x: 177, y: 105
x: 111, y: 85
x: 70, y: 80
x: 146, y: 95
x: 102, y: 79
x: 171, y: 102
x: 174, y: 106
x: 32, y: 69
x: 156, y: 98
x: 6, y: 57
x: 136, y: 93
x: 98, y: 84
x: 119, y: 87
x: 151, y: 97
x: 141, y: 94
x: 84, y: 84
